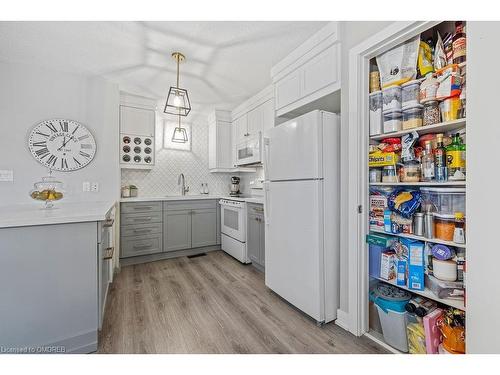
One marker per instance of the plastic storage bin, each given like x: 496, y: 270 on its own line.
x: 392, y: 98
x: 393, y: 121
x: 376, y: 119
x: 413, y: 116
x: 443, y: 200
x: 410, y: 93
x: 390, y: 302
x: 377, y: 243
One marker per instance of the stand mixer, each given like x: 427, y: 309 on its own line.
x: 235, y: 186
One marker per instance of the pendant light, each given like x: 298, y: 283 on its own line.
x: 177, y: 100
x: 180, y: 134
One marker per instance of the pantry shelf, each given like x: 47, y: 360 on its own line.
x: 448, y: 183
x: 420, y: 238
x: 442, y: 127
x: 427, y: 293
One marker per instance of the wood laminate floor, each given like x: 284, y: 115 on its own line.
x: 211, y: 304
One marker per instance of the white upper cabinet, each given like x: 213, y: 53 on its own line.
x: 219, y: 141
x: 308, y: 73
x: 267, y: 115
x: 240, y: 126
x: 137, y: 121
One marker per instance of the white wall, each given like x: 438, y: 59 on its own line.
x: 352, y: 33
x: 483, y: 204
x: 28, y: 95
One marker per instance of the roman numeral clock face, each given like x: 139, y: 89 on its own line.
x: 62, y: 145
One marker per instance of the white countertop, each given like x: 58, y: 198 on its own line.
x: 22, y: 215
x: 257, y: 200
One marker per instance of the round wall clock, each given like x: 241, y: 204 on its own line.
x: 62, y: 145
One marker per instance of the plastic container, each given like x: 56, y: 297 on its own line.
x: 393, y: 121
x: 392, y: 98
x: 413, y: 116
x: 444, y: 227
x: 376, y: 119
x: 443, y: 200
x: 450, y: 108
x: 445, y: 270
x: 416, y: 334
x: 432, y: 114
x: 375, y: 175
x: 410, y: 94
x: 390, y: 302
x: 410, y: 171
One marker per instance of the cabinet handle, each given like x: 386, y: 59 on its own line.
x: 143, y: 208
x: 257, y: 209
x: 142, y: 247
x: 142, y: 230
x: 143, y: 218
x: 108, y: 253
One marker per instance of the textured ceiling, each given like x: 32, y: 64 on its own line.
x: 226, y: 63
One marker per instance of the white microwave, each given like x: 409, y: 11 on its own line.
x: 249, y: 151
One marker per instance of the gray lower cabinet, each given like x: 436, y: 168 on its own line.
x: 177, y: 230
x: 255, y: 235
x: 204, y: 227
x: 155, y: 227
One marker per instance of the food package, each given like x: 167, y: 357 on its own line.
x: 382, y: 159
x: 404, y: 202
x: 416, y: 265
x: 445, y: 289
x: 439, y: 54
x: 387, y: 265
x: 400, y: 224
x: 450, y: 82
x: 442, y: 252
x: 425, y: 59
x: 407, y: 141
x: 378, y: 204
x: 399, y: 64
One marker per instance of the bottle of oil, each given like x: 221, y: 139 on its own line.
x: 440, y: 161
x: 428, y: 165
x: 455, y: 156
x: 459, y: 43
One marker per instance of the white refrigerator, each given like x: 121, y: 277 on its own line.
x: 301, y: 172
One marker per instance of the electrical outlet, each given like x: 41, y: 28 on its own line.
x: 94, y: 187
x: 86, y: 186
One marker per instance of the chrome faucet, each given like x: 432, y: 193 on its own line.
x: 184, y: 188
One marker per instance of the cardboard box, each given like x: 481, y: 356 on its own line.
x: 382, y: 159
x: 416, y: 268
x: 378, y: 204
x: 387, y: 266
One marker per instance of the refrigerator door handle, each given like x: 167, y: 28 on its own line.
x: 267, y: 210
x: 267, y: 149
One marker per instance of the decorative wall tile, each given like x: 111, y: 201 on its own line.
x: 162, y: 179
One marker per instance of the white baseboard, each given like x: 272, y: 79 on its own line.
x: 342, y: 319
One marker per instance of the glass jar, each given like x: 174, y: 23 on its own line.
x: 389, y: 174
x: 47, y: 190
x: 431, y: 113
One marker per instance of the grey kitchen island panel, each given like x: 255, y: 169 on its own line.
x: 49, y: 293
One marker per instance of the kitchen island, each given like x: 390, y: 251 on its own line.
x: 51, y: 276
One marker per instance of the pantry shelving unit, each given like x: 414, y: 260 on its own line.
x: 433, y: 184
x: 442, y: 127
x: 448, y: 127
x: 420, y: 238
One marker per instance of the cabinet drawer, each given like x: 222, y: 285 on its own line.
x: 255, y: 208
x: 141, y: 229
x: 141, y: 245
x: 140, y: 207
x: 144, y: 218
x: 190, y: 205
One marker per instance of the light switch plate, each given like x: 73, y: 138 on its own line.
x: 86, y: 186
x: 94, y: 187
x: 6, y: 175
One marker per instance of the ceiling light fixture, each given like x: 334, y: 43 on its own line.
x: 180, y: 134
x: 177, y: 100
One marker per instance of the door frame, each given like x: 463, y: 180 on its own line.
x: 358, y: 189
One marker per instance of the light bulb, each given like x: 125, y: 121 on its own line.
x: 177, y: 101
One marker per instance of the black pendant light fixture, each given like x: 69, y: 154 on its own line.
x: 180, y: 134
x: 177, y: 100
